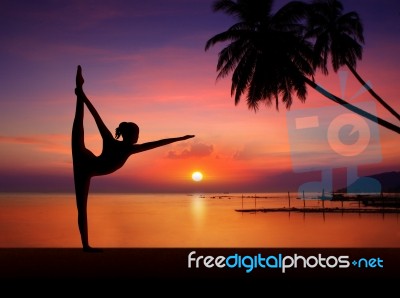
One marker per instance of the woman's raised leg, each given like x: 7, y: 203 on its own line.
x: 81, y: 158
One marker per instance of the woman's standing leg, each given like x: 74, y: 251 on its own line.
x: 81, y: 192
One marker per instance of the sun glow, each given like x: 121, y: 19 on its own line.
x: 197, y: 176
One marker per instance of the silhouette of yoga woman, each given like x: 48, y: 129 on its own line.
x: 113, y: 156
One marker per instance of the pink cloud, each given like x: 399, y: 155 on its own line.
x: 195, y: 150
x: 59, y: 144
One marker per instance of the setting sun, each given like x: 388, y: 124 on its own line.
x: 197, y: 176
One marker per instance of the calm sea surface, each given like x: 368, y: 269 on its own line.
x: 189, y: 220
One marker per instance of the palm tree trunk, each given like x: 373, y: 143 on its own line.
x: 353, y: 108
x: 372, y: 92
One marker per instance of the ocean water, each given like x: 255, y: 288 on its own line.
x: 190, y: 220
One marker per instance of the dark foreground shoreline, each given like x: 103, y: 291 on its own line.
x: 171, y: 264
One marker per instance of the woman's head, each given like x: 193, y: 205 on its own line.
x: 129, y: 132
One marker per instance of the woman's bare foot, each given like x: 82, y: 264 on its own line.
x: 92, y: 249
x: 79, y: 77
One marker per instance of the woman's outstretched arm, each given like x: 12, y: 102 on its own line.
x: 104, y: 131
x: 151, y: 145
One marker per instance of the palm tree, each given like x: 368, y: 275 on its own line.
x: 340, y: 36
x: 269, y: 56
x: 262, y: 54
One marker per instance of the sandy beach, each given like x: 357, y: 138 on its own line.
x: 171, y: 264
x: 132, y: 272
